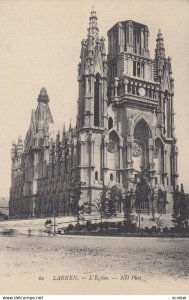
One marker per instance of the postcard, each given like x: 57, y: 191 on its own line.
x: 94, y: 196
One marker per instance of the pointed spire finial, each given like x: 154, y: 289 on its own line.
x: 160, y: 50
x: 19, y: 139
x: 43, y: 96
x: 70, y: 127
x: 93, y: 25
x: 64, y: 135
x: 93, y: 12
x: 64, y: 129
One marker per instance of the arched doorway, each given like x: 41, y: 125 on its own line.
x: 140, y: 153
x: 115, y: 196
x: 143, y: 197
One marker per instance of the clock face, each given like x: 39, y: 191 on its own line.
x: 142, y: 91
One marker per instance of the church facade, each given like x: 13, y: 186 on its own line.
x: 123, y: 139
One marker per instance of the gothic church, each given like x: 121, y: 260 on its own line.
x: 123, y: 139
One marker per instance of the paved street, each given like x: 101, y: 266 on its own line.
x: 68, y: 264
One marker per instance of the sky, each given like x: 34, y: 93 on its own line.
x: 40, y: 44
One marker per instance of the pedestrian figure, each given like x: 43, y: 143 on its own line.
x: 48, y: 222
x: 49, y: 232
x: 29, y: 232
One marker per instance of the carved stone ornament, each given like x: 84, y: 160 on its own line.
x: 111, y: 147
x: 137, y: 148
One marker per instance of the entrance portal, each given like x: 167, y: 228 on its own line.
x: 143, y: 197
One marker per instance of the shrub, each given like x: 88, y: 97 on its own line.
x: 120, y: 225
x: 94, y: 226
x: 70, y: 227
x: 79, y: 227
x: 146, y: 229
x: 106, y: 225
x: 166, y: 230
x: 103, y: 225
x: 153, y: 229
x: 112, y: 225
x: 88, y: 225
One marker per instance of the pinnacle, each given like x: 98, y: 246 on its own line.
x: 43, y: 96
x: 159, y: 36
x: 93, y: 13
x: 43, y: 91
x: 160, y: 50
x: 58, y: 136
x: 93, y: 25
x: 70, y: 127
x: 64, y: 130
x: 19, y: 139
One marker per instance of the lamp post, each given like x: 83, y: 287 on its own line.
x: 54, y: 214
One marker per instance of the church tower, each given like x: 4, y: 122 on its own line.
x: 36, y: 151
x: 92, y: 109
x: 92, y: 78
x: 141, y: 93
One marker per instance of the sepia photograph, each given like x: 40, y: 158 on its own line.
x: 94, y: 145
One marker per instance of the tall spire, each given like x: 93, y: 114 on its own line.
x: 160, y: 50
x: 93, y: 62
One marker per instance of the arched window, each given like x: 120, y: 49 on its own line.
x: 113, y: 150
x: 97, y: 101
x: 81, y: 104
x: 110, y: 123
x: 159, y: 159
x: 113, y: 136
x: 142, y: 134
x: 96, y: 175
x: 111, y: 177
